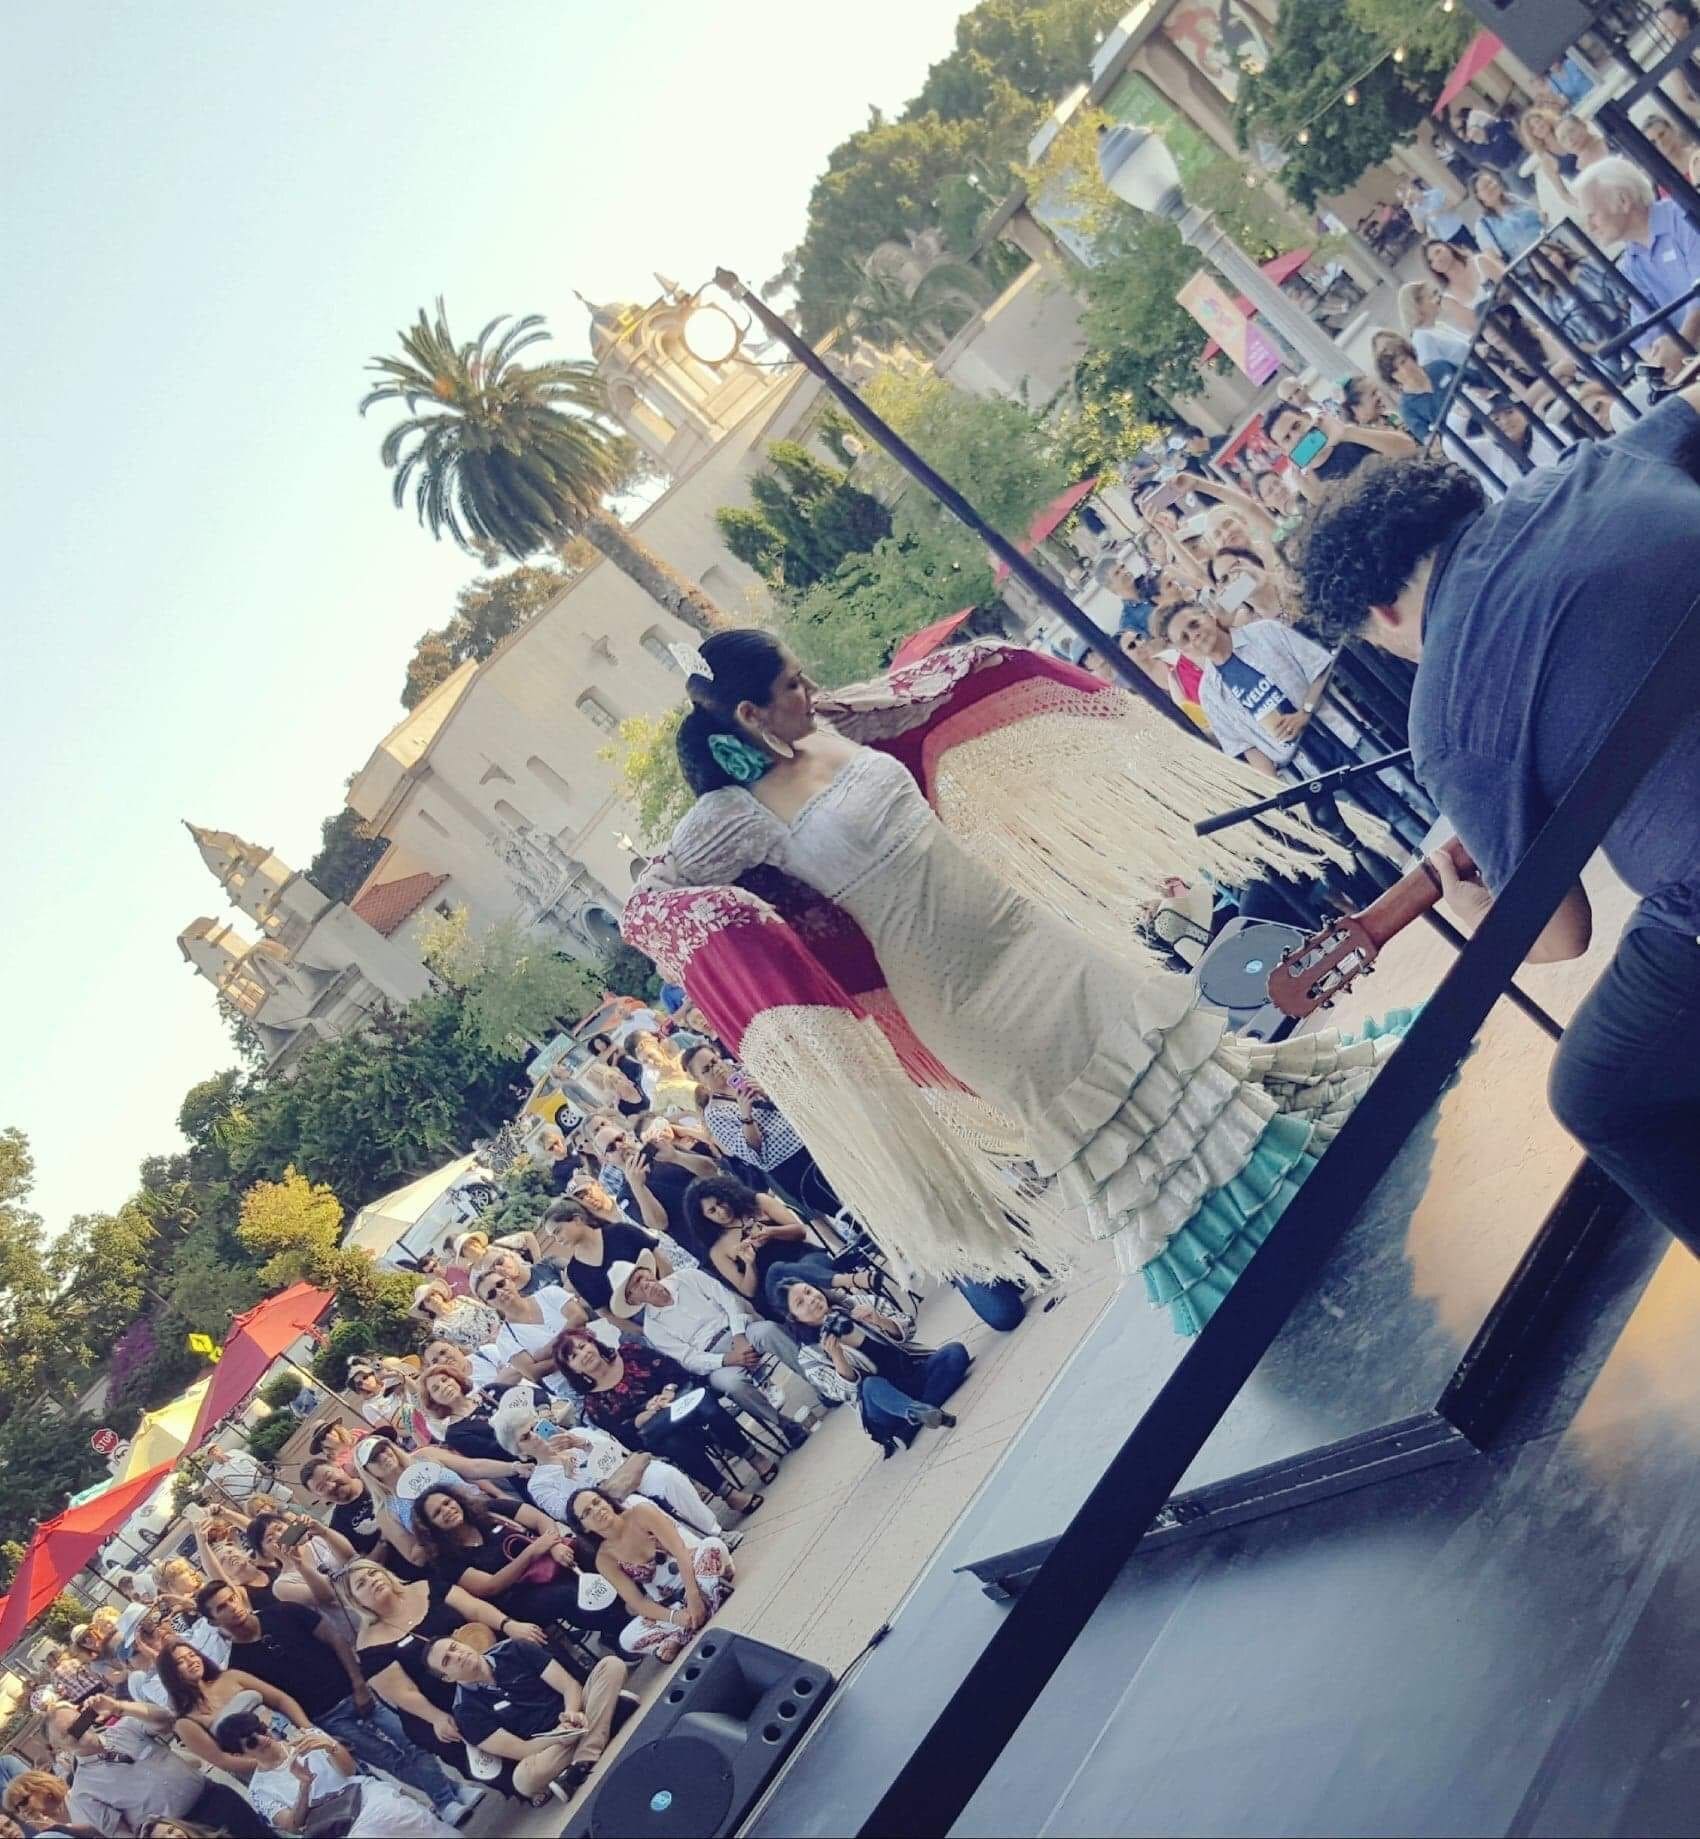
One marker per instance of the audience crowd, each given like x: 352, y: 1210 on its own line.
x: 498, y: 1529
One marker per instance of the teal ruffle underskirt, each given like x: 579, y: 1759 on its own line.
x: 1197, y: 1268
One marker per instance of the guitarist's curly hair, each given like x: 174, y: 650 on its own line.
x: 1361, y: 545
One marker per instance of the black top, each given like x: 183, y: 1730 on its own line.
x: 591, y: 1280
x: 503, y: 1543
x: 668, y: 1182
x: 410, y: 1650
x: 472, y: 1435
x: 290, y: 1656
x: 1344, y: 459
x: 647, y: 1371
x: 633, y: 1070
x: 358, y: 1523
x: 521, y: 1700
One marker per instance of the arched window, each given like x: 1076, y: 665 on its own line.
x: 511, y: 815
x: 718, y: 585
x: 596, y: 709
x: 546, y: 776
x: 655, y: 643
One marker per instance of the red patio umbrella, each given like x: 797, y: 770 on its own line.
x: 924, y: 643
x: 1046, y: 521
x: 60, y: 1547
x: 254, y: 1340
x: 1478, y: 54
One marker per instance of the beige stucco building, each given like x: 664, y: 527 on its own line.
x: 496, y: 781
x: 316, y: 968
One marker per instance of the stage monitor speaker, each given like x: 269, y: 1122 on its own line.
x: 1537, y: 31
x: 705, y: 1750
x: 1233, y: 976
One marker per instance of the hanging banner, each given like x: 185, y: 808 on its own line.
x: 1216, y: 310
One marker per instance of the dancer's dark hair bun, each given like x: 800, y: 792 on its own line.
x: 743, y: 666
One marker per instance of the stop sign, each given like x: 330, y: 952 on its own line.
x: 105, y: 1441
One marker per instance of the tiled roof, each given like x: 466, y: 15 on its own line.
x: 389, y: 906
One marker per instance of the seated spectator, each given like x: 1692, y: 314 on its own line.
x: 656, y: 1171
x: 614, y: 1089
x: 334, y: 1441
x: 298, y: 1554
x: 397, y: 1624
x: 400, y: 1479
x: 1433, y: 211
x: 1586, y: 302
x: 1465, y: 283
x: 300, y: 1781
x: 860, y: 1353
x: 123, y: 1774
x: 630, y: 1394
x: 671, y: 1580
x: 1489, y: 139
x: 197, y: 1690
x: 577, y: 1456
x: 698, y: 1321
x: 751, y: 1129
x: 1422, y: 392
x: 233, y: 1475
x: 436, y: 1264
x: 460, y: 1319
x: 1659, y: 255
x: 369, y: 1523
x: 519, y: 1560
x: 383, y: 1395
x: 1365, y: 405
x: 517, y: 1703
x: 590, y: 1244
x: 457, y: 1414
x: 528, y: 1320
x: 1507, y: 225
x: 293, y: 1650
x: 752, y: 1241
x: 1537, y: 129
x: 562, y: 1162
x: 1340, y: 452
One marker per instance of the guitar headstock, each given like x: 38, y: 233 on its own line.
x: 1311, y: 975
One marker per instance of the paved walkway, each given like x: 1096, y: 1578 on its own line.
x: 845, y: 1533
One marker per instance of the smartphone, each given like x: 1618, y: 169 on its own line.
x: 296, y: 1535
x: 1196, y: 526
x: 1232, y: 595
x: 1307, y: 447
x: 82, y: 1722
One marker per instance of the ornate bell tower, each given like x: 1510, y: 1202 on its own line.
x: 669, y: 399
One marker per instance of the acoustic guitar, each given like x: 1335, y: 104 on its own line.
x: 1329, y: 962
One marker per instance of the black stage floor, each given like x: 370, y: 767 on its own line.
x: 1500, y: 1641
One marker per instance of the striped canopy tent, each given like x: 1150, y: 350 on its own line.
x: 162, y: 1435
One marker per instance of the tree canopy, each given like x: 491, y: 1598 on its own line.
x: 807, y: 518
x: 516, y: 992
x: 347, y: 855
x: 486, y: 611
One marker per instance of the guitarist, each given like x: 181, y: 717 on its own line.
x: 1529, y: 621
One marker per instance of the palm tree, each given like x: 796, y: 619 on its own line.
x: 509, y: 456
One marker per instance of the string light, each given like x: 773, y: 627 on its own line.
x: 1351, y: 98
x: 1304, y: 137
x: 1398, y: 54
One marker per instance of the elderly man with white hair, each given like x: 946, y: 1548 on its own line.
x: 568, y: 1458
x: 1659, y: 254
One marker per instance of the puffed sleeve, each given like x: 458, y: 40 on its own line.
x: 723, y: 834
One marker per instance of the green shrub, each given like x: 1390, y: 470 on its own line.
x: 280, y: 1390
x: 266, y: 1439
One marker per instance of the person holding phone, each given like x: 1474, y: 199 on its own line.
x: 1326, y: 450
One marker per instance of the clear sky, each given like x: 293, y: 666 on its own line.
x: 213, y: 215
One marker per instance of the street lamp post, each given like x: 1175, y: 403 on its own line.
x: 1136, y: 164
x: 1021, y: 566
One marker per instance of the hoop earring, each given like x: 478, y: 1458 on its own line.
x: 781, y: 750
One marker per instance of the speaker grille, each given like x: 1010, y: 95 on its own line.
x: 679, y: 1788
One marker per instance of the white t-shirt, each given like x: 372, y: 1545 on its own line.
x: 275, y: 1791
x: 553, y: 1485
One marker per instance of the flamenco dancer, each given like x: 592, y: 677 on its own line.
x: 908, y: 908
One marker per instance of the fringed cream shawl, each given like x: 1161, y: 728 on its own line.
x: 1073, y: 791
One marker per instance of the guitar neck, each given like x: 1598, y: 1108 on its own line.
x: 1411, y: 896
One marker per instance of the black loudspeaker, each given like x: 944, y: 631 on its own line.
x: 705, y: 1750
x: 1537, y: 31
x: 1233, y: 976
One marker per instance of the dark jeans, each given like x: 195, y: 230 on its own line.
x: 1626, y: 1080
x: 1321, y: 751
x: 687, y: 1445
x: 377, y: 1739
x: 226, y: 1811
x: 999, y: 1305
x: 889, y: 1411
